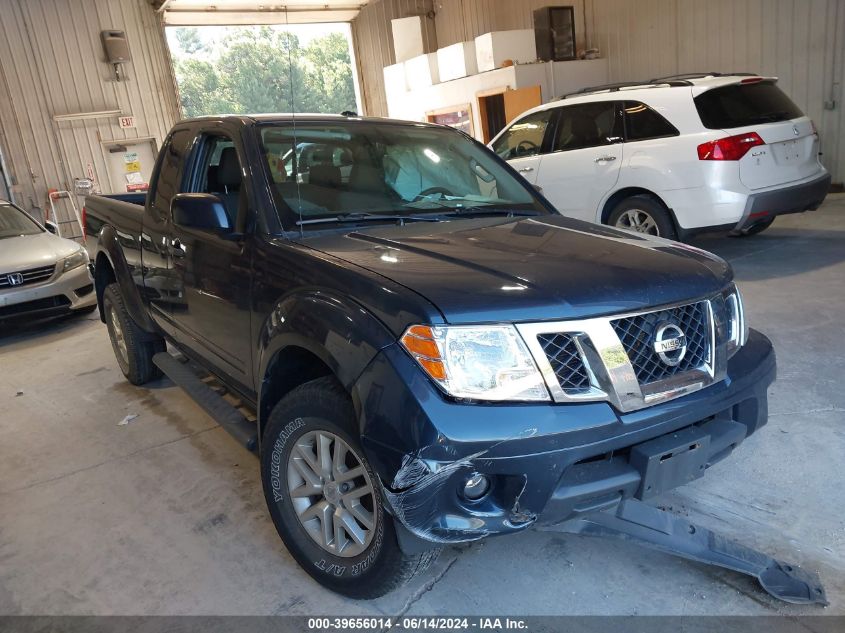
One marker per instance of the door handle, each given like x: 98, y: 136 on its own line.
x: 176, y: 248
x: 604, y: 159
x: 525, y: 170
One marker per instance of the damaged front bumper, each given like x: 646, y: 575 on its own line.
x: 546, y: 463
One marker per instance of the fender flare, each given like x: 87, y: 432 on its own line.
x: 337, y: 330
x: 108, y: 245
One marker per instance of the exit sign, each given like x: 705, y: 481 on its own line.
x: 126, y: 121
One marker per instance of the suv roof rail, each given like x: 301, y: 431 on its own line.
x: 702, y: 76
x: 653, y: 83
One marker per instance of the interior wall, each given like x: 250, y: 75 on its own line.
x: 372, y: 37
x: 464, y: 20
x: 52, y: 63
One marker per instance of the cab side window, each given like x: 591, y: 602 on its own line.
x: 588, y: 125
x: 167, y: 181
x: 218, y: 172
x: 641, y: 123
x: 524, y: 137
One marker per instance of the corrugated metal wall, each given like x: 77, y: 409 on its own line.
x: 52, y: 63
x: 372, y: 37
x: 464, y: 20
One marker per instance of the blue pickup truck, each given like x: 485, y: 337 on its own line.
x: 432, y: 354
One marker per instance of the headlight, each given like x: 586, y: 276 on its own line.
x: 478, y: 362
x: 79, y: 258
x: 737, y: 327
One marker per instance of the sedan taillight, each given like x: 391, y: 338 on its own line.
x: 730, y: 148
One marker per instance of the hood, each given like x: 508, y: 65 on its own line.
x: 32, y: 251
x: 532, y: 269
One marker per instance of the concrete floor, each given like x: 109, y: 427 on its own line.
x: 165, y: 515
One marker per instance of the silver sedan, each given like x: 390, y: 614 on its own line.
x: 41, y: 274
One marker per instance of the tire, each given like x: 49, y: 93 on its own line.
x: 372, y: 566
x: 755, y: 229
x: 132, y: 347
x: 643, y: 214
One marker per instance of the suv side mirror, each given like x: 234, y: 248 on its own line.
x: 51, y: 227
x: 203, y: 211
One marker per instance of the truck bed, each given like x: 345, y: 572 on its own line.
x: 123, y: 211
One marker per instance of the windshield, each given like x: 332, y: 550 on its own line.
x: 337, y: 171
x: 15, y: 222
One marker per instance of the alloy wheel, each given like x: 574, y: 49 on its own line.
x: 332, y: 493
x: 639, y: 221
x: 117, y: 333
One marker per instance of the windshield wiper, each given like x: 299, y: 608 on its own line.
x: 366, y: 217
x: 492, y: 210
x: 773, y: 117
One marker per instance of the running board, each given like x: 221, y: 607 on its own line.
x: 223, y: 413
x: 640, y: 523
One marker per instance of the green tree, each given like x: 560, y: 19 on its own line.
x: 199, y: 88
x: 329, y: 74
x: 189, y: 40
x: 259, y: 72
x: 263, y: 70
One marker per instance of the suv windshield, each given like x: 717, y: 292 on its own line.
x: 15, y: 222
x: 350, y: 171
x: 739, y: 105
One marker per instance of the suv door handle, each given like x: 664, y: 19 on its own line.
x: 604, y: 159
x: 176, y: 248
x: 525, y: 170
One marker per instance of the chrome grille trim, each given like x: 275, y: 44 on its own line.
x: 30, y: 276
x: 612, y: 376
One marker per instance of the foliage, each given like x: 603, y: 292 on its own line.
x: 262, y: 69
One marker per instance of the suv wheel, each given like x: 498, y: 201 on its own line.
x: 643, y: 214
x: 324, y: 498
x: 132, y: 346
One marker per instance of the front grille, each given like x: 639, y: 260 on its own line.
x: 30, y: 276
x: 46, y: 305
x: 566, y: 361
x: 637, y: 334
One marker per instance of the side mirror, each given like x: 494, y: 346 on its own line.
x: 200, y: 211
x: 51, y: 227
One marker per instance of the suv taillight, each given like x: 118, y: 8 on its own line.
x: 730, y: 148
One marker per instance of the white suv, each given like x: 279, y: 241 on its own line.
x: 672, y: 157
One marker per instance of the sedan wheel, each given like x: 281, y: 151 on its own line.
x: 639, y: 221
x: 331, y: 493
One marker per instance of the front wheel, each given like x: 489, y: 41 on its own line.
x: 643, y: 214
x: 324, y: 498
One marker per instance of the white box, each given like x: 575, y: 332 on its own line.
x: 408, y: 39
x: 421, y: 71
x: 456, y: 61
x: 394, y: 78
x: 492, y: 49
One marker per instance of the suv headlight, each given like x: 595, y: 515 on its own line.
x: 479, y: 362
x: 79, y: 258
x: 737, y: 326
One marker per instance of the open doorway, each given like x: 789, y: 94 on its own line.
x: 497, y: 108
x: 268, y: 68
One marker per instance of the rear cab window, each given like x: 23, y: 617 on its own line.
x: 742, y: 105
